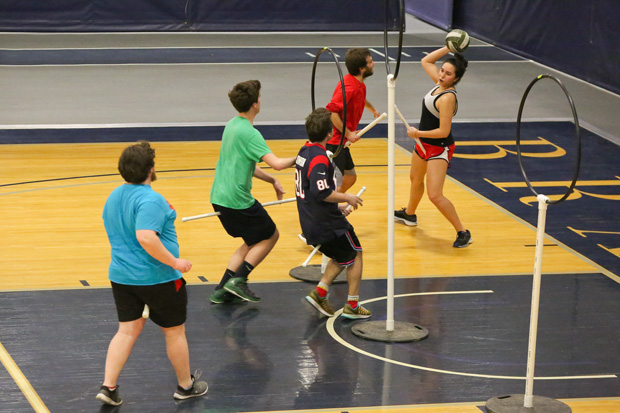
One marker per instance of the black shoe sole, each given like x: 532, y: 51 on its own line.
x: 404, y: 221
x: 464, y: 246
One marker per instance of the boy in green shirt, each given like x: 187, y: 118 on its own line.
x: 240, y: 214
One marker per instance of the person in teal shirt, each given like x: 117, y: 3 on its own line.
x: 145, y: 269
x: 231, y: 194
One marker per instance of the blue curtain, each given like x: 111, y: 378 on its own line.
x: 206, y: 15
x: 436, y: 12
x: 576, y: 37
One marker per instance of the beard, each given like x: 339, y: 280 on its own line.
x: 369, y: 72
x: 153, y: 176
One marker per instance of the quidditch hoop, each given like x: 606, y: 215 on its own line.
x: 401, y: 25
x: 344, y: 94
x: 577, y: 134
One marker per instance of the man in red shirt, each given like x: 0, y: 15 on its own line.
x: 360, y: 65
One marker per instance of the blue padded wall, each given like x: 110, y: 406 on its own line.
x: 576, y: 37
x: 436, y: 12
x: 204, y: 15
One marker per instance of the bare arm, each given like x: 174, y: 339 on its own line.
x: 264, y: 176
x: 350, y: 135
x: 350, y: 199
x: 151, y: 243
x: 277, y: 163
x: 372, y: 109
x: 428, y: 62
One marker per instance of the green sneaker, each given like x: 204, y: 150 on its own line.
x: 319, y: 303
x: 220, y: 296
x: 239, y: 287
x: 359, y: 312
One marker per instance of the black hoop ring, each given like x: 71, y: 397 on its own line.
x: 344, y: 94
x: 401, y: 23
x: 577, y: 134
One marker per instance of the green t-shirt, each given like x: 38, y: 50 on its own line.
x: 242, y: 147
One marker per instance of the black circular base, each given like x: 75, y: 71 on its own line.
x: 514, y: 404
x: 403, y: 332
x: 312, y: 273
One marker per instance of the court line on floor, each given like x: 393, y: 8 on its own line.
x: 116, y: 174
x: 332, y: 332
x: 21, y: 380
x: 522, y: 221
x: 440, y: 407
x: 397, y: 408
x: 308, y: 63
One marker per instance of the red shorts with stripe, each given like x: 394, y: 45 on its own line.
x: 342, y: 249
x: 436, y: 152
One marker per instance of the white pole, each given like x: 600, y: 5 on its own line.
x: 307, y: 261
x: 531, y: 352
x: 324, y: 262
x: 282, y: 201
x: 389, y: 322
x: 402, y: 118
x: 372, y: 124
x: 367, y: 128
x: 213, y: 214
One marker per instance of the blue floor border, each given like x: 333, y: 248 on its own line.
x: 150, y: 133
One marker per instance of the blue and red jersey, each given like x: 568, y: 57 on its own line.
x: 315, y: 180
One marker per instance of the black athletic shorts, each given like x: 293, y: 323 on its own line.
x: 343, y: 161
x: 343, y: 249
x: 252, y: 224
x: 167, y: 302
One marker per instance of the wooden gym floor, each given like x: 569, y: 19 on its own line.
x: 57, y: 315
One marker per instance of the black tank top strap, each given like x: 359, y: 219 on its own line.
x: 456, y: 99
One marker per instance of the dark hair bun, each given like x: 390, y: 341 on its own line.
x: 462, y: 60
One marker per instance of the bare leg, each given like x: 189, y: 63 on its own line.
x: 331, y: 272
x: 354, y: 275
x: 257, y: 252
x: 347, y: 182
x: 254, y: 254
x: 416, y: 176
x: 435, y: 178
x: 238, y: 257
x: 178, y: 353
x: 120, y: 349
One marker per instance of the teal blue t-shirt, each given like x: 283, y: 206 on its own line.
x: 242, y: 147
x: 133, y: 207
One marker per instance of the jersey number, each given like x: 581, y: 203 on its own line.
x: 299, y: 191
x: 322, y: 184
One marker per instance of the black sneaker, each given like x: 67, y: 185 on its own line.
x: 198, y: 388
x: 463, y: 239
x: 239, y: 287
x: 108, y: 396
x: 402, y: 216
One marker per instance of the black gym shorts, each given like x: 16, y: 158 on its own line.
x: 252, y: 224
x: 343, y: 249
x: 167, y: 302
x: 344, y: 160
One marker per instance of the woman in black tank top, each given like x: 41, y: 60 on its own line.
x: 438, y: 107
